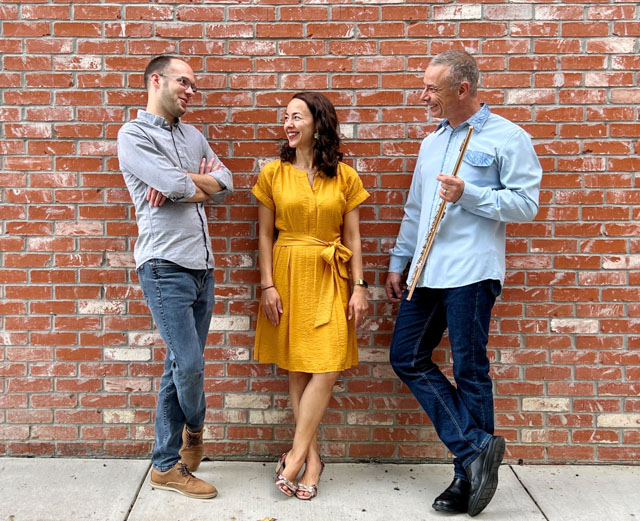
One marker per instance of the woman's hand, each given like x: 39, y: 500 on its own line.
x: 358, y: 305
x: 271, y: 305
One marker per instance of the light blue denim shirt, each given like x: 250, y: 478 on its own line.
x: 502, y: 177
x: 153, y: 153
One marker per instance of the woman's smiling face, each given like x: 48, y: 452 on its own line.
x: 299, y: 126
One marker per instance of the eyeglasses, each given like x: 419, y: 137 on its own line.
x: 184, y: 82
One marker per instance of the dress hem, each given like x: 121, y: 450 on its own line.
x: 315, y: 371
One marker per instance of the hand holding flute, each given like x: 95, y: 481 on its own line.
x: 451, y: 188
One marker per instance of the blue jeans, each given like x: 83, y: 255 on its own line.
x: 181, y: 302
x: 463, y: 414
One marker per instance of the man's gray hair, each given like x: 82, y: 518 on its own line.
x: 462, y: 67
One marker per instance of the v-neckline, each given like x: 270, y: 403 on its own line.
x: 310, y: 185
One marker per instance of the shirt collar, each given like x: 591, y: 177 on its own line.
x: 157, y: 121
x: 477, y: 121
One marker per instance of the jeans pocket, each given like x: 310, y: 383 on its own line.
x: 164, y: 268
x: 162, y: 263
x: 495, y: 287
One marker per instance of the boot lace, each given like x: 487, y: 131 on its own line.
x: 184, y: 471
x: 192, y: 439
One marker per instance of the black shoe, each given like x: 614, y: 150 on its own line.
x: 483, y: 474
x: 454, y: 498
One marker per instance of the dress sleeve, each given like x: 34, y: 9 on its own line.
x: 263, y: 189
x: 354, y: 190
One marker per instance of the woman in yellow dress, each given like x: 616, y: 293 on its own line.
x: 308, y: 310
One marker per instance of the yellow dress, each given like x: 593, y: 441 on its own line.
x: 309, y: 269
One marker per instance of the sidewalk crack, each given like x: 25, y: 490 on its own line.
x: 135, y: 497
x: 528, y: 493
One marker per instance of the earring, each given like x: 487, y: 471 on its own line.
x: 316, y: 135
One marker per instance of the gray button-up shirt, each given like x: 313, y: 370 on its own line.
x: 153, y: 153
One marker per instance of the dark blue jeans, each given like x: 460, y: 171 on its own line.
x: 463, y: 414
x: 181, y: 302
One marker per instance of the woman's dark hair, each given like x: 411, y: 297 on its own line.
x: 326, y: 149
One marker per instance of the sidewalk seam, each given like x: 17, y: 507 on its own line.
x: 527, y: 491
x: 135, y: 497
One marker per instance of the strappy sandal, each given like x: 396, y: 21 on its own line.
x: 288, y: 488
x: 312, y: 490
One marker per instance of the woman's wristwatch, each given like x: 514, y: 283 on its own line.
x: 361, y: 282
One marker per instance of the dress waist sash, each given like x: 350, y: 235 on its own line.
x: 336, y: 255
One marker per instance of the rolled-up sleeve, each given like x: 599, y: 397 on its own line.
x: 139, y: 157
x: 222, y: 175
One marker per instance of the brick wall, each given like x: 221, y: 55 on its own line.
x: 79, y: 358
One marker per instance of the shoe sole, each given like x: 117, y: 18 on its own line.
x: 447, y: 510
x: 188, y: 494
x: 488, y: 489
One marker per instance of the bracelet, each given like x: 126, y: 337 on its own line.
x: 268, y: 287
x: 361, y: 282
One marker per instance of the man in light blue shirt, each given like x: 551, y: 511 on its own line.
x: 498, y: 182
x: 170, y: 171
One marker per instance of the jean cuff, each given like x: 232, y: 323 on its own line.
x: 463, y: 477
x: 483, y: 446
x: 164, y: 469
x: 195, y: 430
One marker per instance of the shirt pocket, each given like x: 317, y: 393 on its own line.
x: 478, y: 158
x: 480, y: 168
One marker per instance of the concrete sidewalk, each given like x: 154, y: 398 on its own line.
x: 118, y: 490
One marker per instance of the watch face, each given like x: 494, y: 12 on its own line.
x: 361, y: 282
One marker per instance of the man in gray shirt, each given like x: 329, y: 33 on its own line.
x: 170, y: 172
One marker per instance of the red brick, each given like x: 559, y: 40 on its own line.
x: 76, y: 29
x: 371, y: 450
x: 590, y: 29
x: 430, y: 30
x: 97, y: 12
x: 528, y: 419
x: 577, y: 264
x: 573, y: 452
x: 596, y: 405
x: 622, y: 389
x: 626, y: 28
x: 128, y: 29
x: 618, y: 454
x: 14, y: 432
x: 25, y: 29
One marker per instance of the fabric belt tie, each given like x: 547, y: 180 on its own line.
x: 336, y: 255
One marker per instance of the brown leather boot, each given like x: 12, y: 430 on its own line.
x: 179, y: 479
x: 192, y: 449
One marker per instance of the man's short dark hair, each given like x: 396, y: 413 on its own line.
x: 462, y: 67
x: 157, y: 65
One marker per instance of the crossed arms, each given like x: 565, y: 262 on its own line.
x: 206, y: 185
x: 145, y: 163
